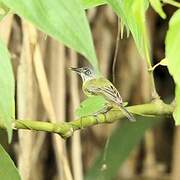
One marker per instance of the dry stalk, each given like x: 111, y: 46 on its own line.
x: 6, y: 27
x: 63, y: 168
x: 76, y: 140
x: 176, y: 155
x: 26, y: 102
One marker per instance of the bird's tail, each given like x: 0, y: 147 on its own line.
x: 127, y: 113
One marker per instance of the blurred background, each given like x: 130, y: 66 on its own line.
x: 46, y: 90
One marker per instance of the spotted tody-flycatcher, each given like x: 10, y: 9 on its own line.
x: 94, y: 85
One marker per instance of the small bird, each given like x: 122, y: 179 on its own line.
x: 100, y: 86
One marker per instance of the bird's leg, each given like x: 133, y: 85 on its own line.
x: 103, y: 111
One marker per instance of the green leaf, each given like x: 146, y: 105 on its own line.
x: 90, y: 106
x: 172, y: 44
x: 7, y: 105
x: 3, y: 11
x: 121, y: 143
x: 8, y: 170
x: 176, y: 113
x: 64, y: 20
x: 173, y: 57
x: 92, y: 3
x: 132, y: 14
x: 156, y: 4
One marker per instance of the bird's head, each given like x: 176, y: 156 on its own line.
x: 86, y: 73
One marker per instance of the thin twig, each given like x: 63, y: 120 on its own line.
x: 116, y: 51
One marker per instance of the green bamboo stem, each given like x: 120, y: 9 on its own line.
x: 154, y: 93
x: 66, y: 129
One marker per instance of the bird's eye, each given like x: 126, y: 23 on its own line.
x: 88, y: 72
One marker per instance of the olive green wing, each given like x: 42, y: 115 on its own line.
x: 103, y: 87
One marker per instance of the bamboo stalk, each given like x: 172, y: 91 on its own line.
x: 63, y: 168
x: 176, y: 155
x: 66, y: 129
x: 26, y: 103
x: 76, y: 140
x: 58, y: 90
x: 6, y: 27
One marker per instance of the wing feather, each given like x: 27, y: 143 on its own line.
x: 106, y: 89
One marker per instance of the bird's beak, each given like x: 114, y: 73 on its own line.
x: 75, y: 69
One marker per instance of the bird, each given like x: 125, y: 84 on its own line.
x: 95, y: 85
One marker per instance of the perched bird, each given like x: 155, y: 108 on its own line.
x: 94, y: 85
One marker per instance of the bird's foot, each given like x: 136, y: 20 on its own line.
x: 103, y: 111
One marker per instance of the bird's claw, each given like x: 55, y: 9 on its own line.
x: 97, y: 118
x: 103, y: 112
